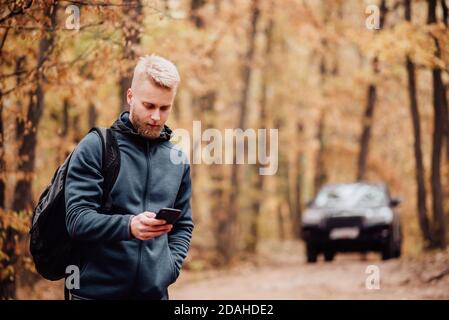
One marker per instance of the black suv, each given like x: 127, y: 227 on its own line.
x: 352, y: 217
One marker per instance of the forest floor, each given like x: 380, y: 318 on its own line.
x: 279, y: 271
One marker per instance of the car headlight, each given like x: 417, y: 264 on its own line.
x: 382, y: 215
x: 311, y: 217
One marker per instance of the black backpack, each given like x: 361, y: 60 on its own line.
x: 50, y: 245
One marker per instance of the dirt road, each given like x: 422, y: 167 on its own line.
x: 288, y: 276
x: 280, y: 272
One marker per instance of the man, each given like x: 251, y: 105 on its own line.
x: 129, y: 254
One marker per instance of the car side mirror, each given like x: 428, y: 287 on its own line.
x: 394, y: 202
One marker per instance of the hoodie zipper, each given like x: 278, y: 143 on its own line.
x: 147, y: 155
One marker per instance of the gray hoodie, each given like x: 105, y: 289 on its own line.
x: 113, y: 264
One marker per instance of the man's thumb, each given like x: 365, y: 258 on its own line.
x: 149, y: 214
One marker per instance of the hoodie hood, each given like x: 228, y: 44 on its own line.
x: 124, y: 125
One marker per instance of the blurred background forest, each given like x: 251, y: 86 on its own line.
x: 350, y: 103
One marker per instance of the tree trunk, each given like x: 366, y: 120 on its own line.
x: 197, y: 20
x: 298, y: 200
x: 8, y: 258
x: 244, y: 101
x: 366, y: 132
x: 65, y: 118
x: 293, y: 191
x: 320, y: 171
x: 280, y: 220
x: 7, y: 284
x: 64, y: 131
x: 92, y: 120
x: 8, y: 280
x: 327, y: 67
x: 77, y: 132
x: 253, y: 239
x: 445, y: 10
x: 2, y: 157
x: 27, y: 151
x: 20, y: 117
x: 132, y: 17
x: 419, y: 171
x: 27, y: 134
x: 439, y: 229
x: 368, y: 116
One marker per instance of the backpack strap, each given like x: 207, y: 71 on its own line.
x: 110, y: 163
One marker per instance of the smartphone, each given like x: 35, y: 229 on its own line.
x: 169, y: 214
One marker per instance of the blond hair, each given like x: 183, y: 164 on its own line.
x: 161, y: 71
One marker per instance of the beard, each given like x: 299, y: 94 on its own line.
x: 144, y: 129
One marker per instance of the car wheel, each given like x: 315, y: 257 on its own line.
x: 329, y: 255
x: 311, y: 253
x: 388, y: 250
x: 397, y: 251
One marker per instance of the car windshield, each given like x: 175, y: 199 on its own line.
x: 352, y: 195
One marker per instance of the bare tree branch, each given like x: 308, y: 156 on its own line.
x: 3, y: 40
x: 34, y: 28
x: 16, y: 10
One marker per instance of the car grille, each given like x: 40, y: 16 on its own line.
x: 339, y: 222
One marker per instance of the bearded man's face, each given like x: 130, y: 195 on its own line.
x: 150, y: 106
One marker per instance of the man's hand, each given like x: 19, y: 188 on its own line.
x: 144, y: 226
